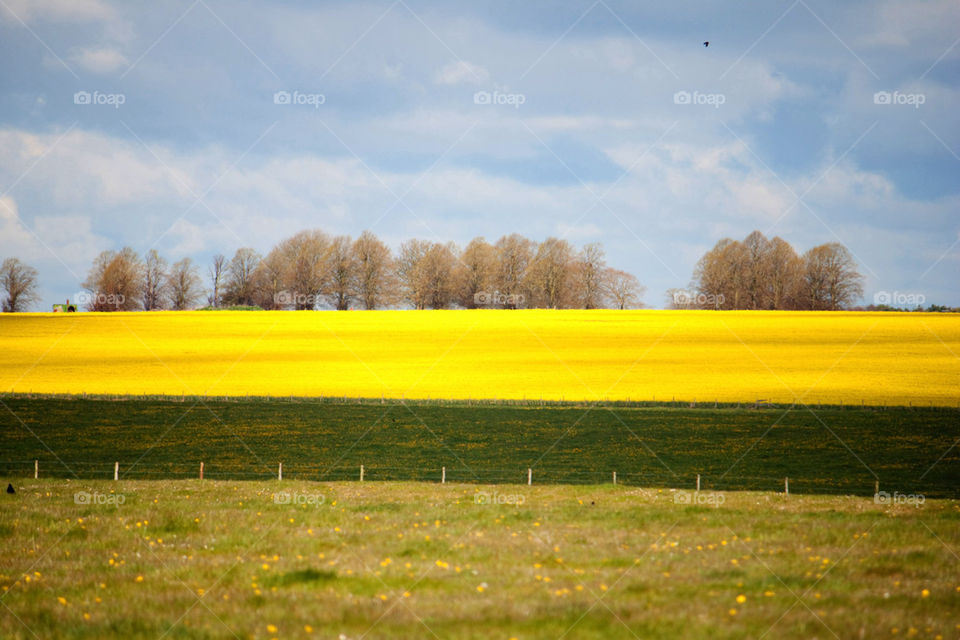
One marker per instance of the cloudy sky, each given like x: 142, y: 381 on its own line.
x: 200, y: 126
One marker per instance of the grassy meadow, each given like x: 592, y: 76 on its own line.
x: 830, y: 358
x: 219, y: 559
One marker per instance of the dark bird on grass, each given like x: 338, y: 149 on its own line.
x: 707, y: 43
x: 10, y: 488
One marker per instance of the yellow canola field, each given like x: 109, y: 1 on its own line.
x: 877, y: 358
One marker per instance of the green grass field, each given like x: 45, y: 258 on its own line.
x: 829, y: 450
x: 293, y: 559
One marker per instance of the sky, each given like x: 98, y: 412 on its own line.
x: 196, y: 127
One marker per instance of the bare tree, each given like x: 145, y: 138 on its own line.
x: 341, y: 271
x: 784, y: 272
x: 115, y: 281
x: 411, y: 267
x: 514, y: 253
x: 719, y: 277
x: 307, y: 254
x: 239, y: 288
x: 439, y: 274
x: 830, y: 278
x: 551, y: 274
x: 477, y: 271
x: 374, y: 278
x: 217, y: 269
x: 623, y: 289
x: 184, y: 286
x: 155, y: 278
x: 19, y: 284
x: 757, y: 271
x: 588, y: 274
x: 270, y: 282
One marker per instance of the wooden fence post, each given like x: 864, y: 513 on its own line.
x: 443, y: 475
x: 786, y: 486
x: 876, y: 487
x: 116, y: 471
x: 529, y: 476
x: 36, y: 469
x: 614, y: 477
x: 280, y: 472
x: 201, y: 470
x: 698, y: 482
x: 361, y: 473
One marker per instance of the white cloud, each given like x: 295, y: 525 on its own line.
x: 56, y: 10
x: 72, y: 239
x: 575, y: 123
x: 578, y: 232
x: 461, y: 72
x: 83, y: 166
x: 15, y: 239
x: 57, y: 243
x: 98, y: 59
x: 920, y: 23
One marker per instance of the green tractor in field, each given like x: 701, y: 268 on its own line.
x: 65, y: 308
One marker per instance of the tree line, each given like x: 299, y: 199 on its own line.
x: 758, y: 273
x: 312, y: 269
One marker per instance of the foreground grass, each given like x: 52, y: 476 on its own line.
x: 191, y: 559
x: 821, y: 450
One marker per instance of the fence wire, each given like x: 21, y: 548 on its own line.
x: 656, y: 478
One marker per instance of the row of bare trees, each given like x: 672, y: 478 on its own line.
x: 121, y: 281
x: 312, y: 269
x: 758, y: 273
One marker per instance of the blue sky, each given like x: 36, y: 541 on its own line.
x: 607, y: 122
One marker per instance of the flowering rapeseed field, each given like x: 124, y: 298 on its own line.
x: 876, y: 358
